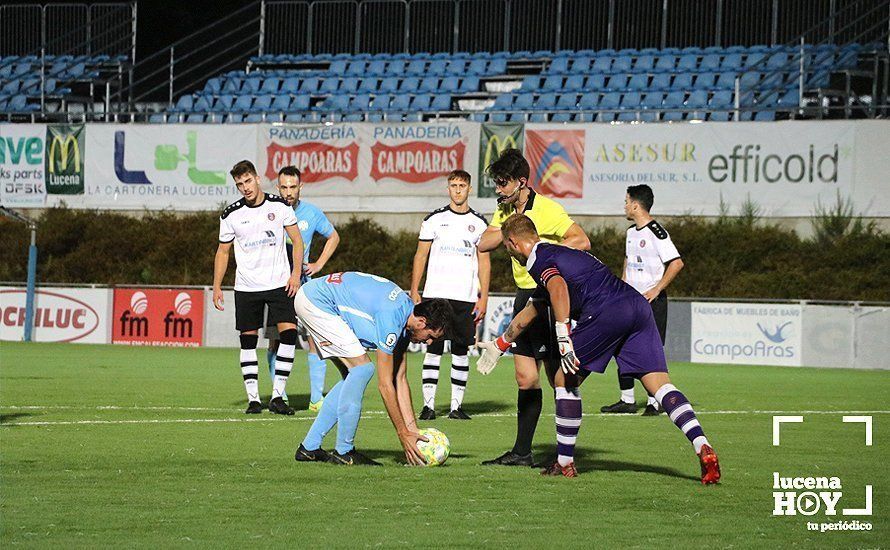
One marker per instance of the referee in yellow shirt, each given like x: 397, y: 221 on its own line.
x: 510, y: 175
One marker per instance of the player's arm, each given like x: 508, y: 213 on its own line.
x: 492, y: 351
x: 561, y: 305
x: 387, y: 385
x: 420, y: 258
x: 484, y: 282
x: 624, y: 270
x: 293, y: 284
x: 670, y: 273
x: 490, y: 239
x: 220, y: 265
x: 576, y: 238
x: 330, y: 245
x: 403, y: 392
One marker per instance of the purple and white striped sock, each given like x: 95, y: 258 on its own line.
x: 678, y: 408
x: 568, y: 422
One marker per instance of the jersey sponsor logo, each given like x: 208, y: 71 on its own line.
x: 335, y: 278
x: 317, y: 161
x: 556, y: 159
x: 394, y: 294
x: 415, y: 161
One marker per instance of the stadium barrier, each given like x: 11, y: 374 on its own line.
x: 785, y: 167
x: 777, y: 333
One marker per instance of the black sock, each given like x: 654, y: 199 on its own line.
x: 625, y: 382
x: 528, y: 411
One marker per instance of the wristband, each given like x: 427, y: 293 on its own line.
x: 502, y: 344
x: 562, y: 329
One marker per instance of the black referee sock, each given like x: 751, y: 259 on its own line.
x: 528, y: 405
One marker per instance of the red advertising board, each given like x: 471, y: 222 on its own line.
x: 556, y: 158
x: 158, y: 317
x: 415, y: 161
x: 317, y: 161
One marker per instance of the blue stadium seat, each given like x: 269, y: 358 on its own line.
x: 697, y: 99
x: 477, y: 67
x: 589, y: 101
x: 421, y: 102
x: 441, y: 102
x: 231, y: 86
x: 251, y: 85
x: 497, y: 66
x: 336, y: 103
x: 307, y: 85
x: 638, y: 82
x: 687, y: 63
x: 574, y: 83
x: 721, y: 100
x: 753, y: 59
x: 546, y: 102
x: 559, y: 65
x: 653, y: 100
x: 725, y: 81
x: 778, y: 60
x: 396, y: 67
x: 337, y: 67
x: 709, y: 63
x: 242, y: 104
x: 552, y: 83
x: 610, y: 100
x: 184, y: 103
x: 157, y: 118
x: 213, y: 86
x: 469, y: 84
x: 617, y: 82
x: 503, y: 102
x: 381, y: 102
x: 281, y: 104
x: 252, y: 117
x: 429, y: 84
x: 194, y: 118
x: 349, y: 85
x: 449, y: 84
x: 631, y: 100
x: 355, y: 116
x: 595, y: 82
x: 376, y: 67
x: 530, y: 83
x: 704, y: 81
x: 567, y: 102
x: 772, y: 81
x: 437, y: 67
x: 732, y: 62
x: 330, y: 85
x: 538, y: 117
x: 661, y: 81
x: 457, y: 67
x: 300, y: 103
x: 270, y: 85
x: 791, y: 98
x: 749, y: 79
x: 720, y: 116
x: 294, y: 117
x: 401, y: 102
x: 409, y: 85
x: 580, y: 65
x: 682, y: 82
x: 497, y: 117
x: 416, y: 67
x: 360, y: 102
x: 389, y: 85
x: 224, y: 102
x: 765, y: 116
x: 666, y: 62
x: 355, y: 68
x: 202, y: 104
x: 524, y: 102
x: 627, y: 116
x: 562, y: 117
x: 368, y: 85
x: 602, y: 64
x: 645, y: 64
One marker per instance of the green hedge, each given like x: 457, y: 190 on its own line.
x: 727, y: 257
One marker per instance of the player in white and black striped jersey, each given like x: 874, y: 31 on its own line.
x: 256, y: 225
x: 651, y: 262
x: 460, y: 273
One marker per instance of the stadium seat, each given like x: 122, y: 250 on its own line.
x: 567, y: 102
x: 416, y: 67
x: 622, y: 63
x: 574, y: 83
x: 349, y: 85
x: 270, y: 85
x: 661, y: 81
x: 437, y: 67
x: 360, y: 102
x: 396, y: 67
x: 530, y: 83
x: 704, y: 81
x: 545, y: 102
x: 610, y: 101
x: 354, y: 68
x: 456, y: 67
x: 559, y: 65
x: 307, y: 86
x: 721, y: 100
x: 401, y: 103
x: 368, y: 85
x: 242, y: 104
x: 441, y: 102
x: 589, y: 101
x: 281, y: 103
x: 251, y: 85
x: 469, y: 84
x: 645, y: 63
x: 687, y: 63
x: 617, y: 83
x: 595, y: 82
x: 652, y: 100
x: 524, y: 102
x: 376, y: 67
x: 665, y: 62
x: 202, y: 104
x: 449, y: 84
x: 731, y: 62
x: 421, y: 102
x: 682, y: 82
x: 638, y: 82
x: 380, y: 102
x: 477, y: 67
x: 409, y: 85
x: 429, y: 84
x: 709, y: 63
x: 503, y: 102
x: 330, y: 85
x: 602, y: 65
x: 389, y: 85
x: 552, y: 83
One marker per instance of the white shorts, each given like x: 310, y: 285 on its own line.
x: 332, y: 335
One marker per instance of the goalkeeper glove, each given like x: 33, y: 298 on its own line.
x: 568, y: 361
x: 491, y: 352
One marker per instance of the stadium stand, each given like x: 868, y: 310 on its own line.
x: 566, y: 86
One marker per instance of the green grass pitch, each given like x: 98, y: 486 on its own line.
x: 106, y: 446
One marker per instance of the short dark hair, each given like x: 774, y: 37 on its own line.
x: 642, y: 194
x: 519, y: 225
x: 243, y: 167
x: 460, y: 175
x: 290, y: 170
x: 438, y: 314
x: 510, y: 165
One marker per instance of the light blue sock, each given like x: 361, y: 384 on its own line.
x: 325, y: 420
x: 270, y: 358
x: 317, y: 369
x: 349, y: 408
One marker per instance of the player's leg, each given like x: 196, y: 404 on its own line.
x: 248, y: 320
x: 317, y: 371
x: 271, y: 334
x: 659, y: 312
x: 284, y: 364
x: 683, y: 416
x: 430, y: 378
x: 464, y: 335
x: 567, y: 395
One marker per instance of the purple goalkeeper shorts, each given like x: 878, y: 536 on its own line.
x: 624, y: 329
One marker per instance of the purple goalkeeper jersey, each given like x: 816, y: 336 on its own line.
x: 591, y: 284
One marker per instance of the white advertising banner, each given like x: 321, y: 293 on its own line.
x: 22, y: 164
x: 219, y: 326
x: 746, y: 334
x: 366, y: 167
x: 81, y: 315
x: 156, y: 167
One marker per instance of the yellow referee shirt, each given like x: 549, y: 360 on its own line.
x: 551, y: 221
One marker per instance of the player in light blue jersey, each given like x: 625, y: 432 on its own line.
x: 346, y: 314
x: 310, y: 221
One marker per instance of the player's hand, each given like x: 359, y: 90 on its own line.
x: 480, y: 309
x: 415, y: 296
x: 293, y: 285
x: 567, y: 359
x: 409, y: 441
x: 312, y: 268
x: 488, y: 357
x: 218, y: 301
x: 651, y: 294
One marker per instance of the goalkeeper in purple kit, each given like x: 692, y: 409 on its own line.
x: 613, y: 320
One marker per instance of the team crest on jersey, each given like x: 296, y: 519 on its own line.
x: 303, y: 225
x: 271, y: 216
x: 642, y: 243
x: 471, y: 228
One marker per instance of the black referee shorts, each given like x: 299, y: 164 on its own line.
x: 463, y: 329
x: 538, y: 340
x: 249, y: 308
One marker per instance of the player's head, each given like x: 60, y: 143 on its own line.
x: 509, y: 174
x: 639, y: 199
x: 290, y: 184
x: 246, y: 180
x: 519, y: 235
x: 459, y: 187
x: 430, y: 321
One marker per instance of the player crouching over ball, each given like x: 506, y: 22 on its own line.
x: 613, y: 320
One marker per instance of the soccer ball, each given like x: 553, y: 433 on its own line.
x: 436, y: 450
